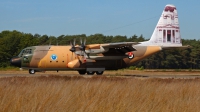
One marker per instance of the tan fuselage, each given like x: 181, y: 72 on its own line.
x: 65, y: 59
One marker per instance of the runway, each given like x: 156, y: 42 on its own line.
x: 119, y: 73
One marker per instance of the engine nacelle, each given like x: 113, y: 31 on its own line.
x: 97, y: 50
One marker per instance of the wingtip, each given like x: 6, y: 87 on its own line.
x: 188, y: 46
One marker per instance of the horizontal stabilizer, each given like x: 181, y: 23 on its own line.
x: 176, y: 47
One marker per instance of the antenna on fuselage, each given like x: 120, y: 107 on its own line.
x: 50, y: 43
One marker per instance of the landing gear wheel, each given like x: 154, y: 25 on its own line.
x: 31, y: 71
x: 90, y: 72
x: 82, y: 72
x: 99, y: 72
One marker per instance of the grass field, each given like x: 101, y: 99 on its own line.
x: 98, y: 94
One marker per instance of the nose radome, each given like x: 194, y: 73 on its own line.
x: 16, y: 61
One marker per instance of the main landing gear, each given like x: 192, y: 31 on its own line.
x: 99, y: 72
x: 91, y: 71
x: 83, y: 72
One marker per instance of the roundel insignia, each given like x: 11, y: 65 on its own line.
x: 53, y: 57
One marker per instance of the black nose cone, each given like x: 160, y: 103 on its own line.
x: 16, y: 61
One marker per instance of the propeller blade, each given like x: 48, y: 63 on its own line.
x: 74, y: 42
x: 84, y: 41
x: 82, y: 46
x: 70, y: 43
x: 81, y: 41
x: 72, y: 49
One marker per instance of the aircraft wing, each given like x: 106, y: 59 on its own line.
x: 176, y: 47
x: 109, y: 50
x: 119, y: 44
x: 118, y: 49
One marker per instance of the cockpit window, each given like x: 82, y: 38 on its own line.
x: 25, y: 51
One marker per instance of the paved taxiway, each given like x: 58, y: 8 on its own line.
x: 125, y: 73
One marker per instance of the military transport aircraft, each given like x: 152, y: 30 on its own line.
x: 96, y: 58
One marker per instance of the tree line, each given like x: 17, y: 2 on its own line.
x: 12, y: 42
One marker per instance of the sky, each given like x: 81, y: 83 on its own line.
x: 108, y: 17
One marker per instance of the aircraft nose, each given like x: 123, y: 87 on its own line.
x: 16, y: 61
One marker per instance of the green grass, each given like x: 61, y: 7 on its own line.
x: 9, y: 68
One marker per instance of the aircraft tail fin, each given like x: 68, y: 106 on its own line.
x: 167, y: 30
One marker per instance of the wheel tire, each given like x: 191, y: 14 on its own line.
x: 31, y: 71
x: 82, y: 72
x: 90, y: 72
x: 99, y: 72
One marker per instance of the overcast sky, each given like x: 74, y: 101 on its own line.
x: 109, y: 17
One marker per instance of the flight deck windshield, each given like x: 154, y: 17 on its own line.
x: 24, y: 52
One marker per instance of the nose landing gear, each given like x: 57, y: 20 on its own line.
x: 31, y: 71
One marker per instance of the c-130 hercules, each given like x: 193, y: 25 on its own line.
x: 96, y: 58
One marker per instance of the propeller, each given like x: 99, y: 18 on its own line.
x: 82, y: 48
x: 73, y: 48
